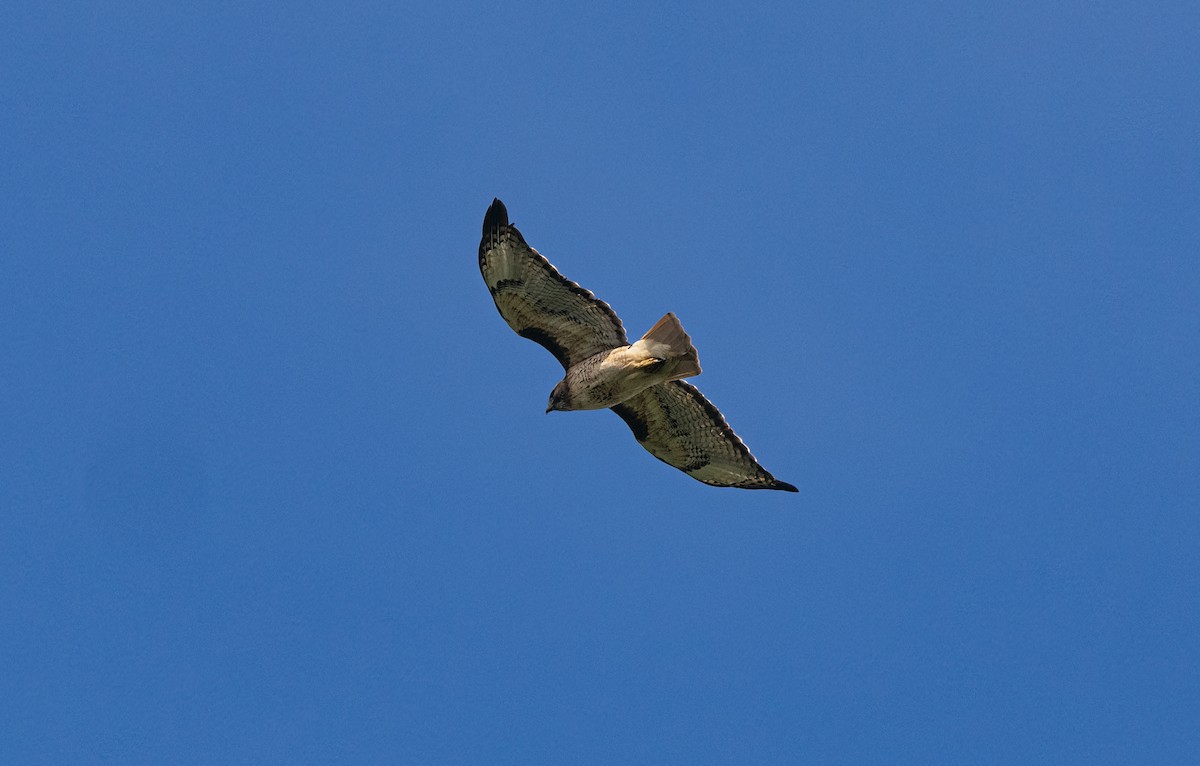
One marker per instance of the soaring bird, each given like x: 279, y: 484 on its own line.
x: 641, y: 382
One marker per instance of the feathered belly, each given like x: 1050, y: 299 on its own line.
x: 612, y: 377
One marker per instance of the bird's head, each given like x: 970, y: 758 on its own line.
x: 559, y: 400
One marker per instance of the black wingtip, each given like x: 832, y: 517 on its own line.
x: 784, y: 486
x: 496, y: 217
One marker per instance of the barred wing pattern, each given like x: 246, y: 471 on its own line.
x: 537, y: 301
x: 676, y: 424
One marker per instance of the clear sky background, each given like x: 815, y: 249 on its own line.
x: 276, y: 485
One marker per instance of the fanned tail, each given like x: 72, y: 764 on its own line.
x: 668, y: 341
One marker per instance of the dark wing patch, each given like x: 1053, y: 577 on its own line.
x: 537, y: 301
x: 676, y: 424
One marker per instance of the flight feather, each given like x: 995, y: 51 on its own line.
x: 537, y: 301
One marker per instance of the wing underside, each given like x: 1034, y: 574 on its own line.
x: 537, y: 301
x: 676, y: 424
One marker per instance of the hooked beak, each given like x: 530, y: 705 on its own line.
x: 549, y: 408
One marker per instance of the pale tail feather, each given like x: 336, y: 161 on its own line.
x: 667, y: 340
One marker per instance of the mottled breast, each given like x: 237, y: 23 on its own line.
x: 611, y: 377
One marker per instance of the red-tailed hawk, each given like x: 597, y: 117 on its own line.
x: 641, y: 382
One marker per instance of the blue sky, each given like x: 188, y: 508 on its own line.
x: 276, y: 482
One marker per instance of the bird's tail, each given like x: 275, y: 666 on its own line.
x: 668, y: 341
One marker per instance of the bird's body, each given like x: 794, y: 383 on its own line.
x: 641, y: 382
x: 603, y: 380
x: 610, y: 377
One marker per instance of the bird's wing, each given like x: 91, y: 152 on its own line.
x: 537, y: 301
x: 676, y: 424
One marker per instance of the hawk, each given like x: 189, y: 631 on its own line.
x: 641, y: 382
